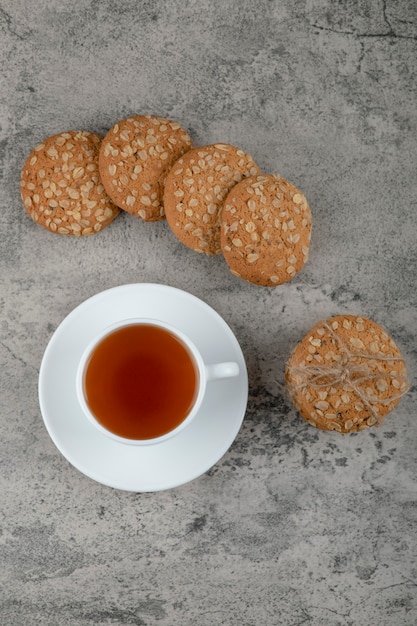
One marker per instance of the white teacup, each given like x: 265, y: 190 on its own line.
x: 125, y: 351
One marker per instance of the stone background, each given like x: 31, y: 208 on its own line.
x: 292, y: 526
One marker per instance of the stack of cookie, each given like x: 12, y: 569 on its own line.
x: 346, y: 374
x: 215, y: 198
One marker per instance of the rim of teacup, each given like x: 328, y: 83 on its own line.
x: 187, y: 342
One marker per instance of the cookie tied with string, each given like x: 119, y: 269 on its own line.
x: 346, y: 374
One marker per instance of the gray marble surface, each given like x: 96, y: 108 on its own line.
x: 293, y: 525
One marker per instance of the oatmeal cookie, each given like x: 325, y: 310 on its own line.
x: 195, y: 189
x: 61, y: 188
x: 135, y: 157
x: 265, y: 230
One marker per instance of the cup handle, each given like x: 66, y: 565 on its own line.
x: 222, y: 370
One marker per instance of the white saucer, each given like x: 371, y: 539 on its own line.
x: 154, y: 467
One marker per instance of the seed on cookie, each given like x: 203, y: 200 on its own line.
x: 60, y: 185
x: 135, y: 157
x: 272, y: 227
x: 201, y: 179
x: 346, y: 374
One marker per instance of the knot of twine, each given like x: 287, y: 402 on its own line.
x: 347, y: 372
